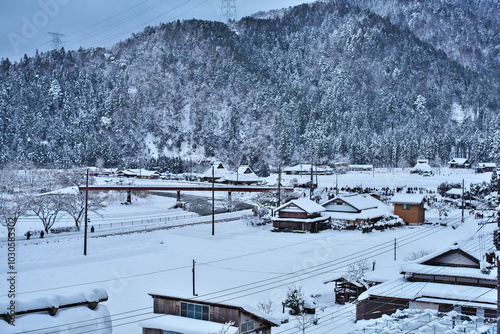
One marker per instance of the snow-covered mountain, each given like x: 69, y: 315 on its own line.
x: 384, y: 84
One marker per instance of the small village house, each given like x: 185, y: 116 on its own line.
x: 422, y: 166
x: 300, y: 214
x: 452, y: 279
x: 459, y: 163
x: 356, y: 209
x: 347, y: 289
x: 243, y: 176
x: 361, y: 168
x: 216, y: 173
x: 219, y: 174
x: 139, y: 173
x: 454, y: 193
x: 484, y: 167
x: 409, y: 207
x: 185, y: 315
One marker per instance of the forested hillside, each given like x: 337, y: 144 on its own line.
x: 319, y: 82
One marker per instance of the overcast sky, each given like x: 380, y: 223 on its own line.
x: 25, y: 24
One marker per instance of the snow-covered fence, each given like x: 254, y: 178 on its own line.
x: 172, y: 221
x: 164, y: 220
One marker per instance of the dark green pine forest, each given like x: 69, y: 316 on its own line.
x: 364, y: 81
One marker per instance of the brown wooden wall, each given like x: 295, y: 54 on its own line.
x: 416, y: 214
x: 376, y: 307
x: 297, y: 226
x: 152, y: 331
x: 298, y: 215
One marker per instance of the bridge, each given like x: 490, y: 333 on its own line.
x: 129, y: 188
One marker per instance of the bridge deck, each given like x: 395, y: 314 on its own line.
x: 217, y: 187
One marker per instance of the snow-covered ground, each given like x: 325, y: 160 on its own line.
x: 240, y: 263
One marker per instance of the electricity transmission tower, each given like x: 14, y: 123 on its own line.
x: 228, y: 10
x: 56, y: 39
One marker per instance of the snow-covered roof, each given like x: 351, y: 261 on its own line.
x: 416, y: 268
x: 141, y: 172
x: 366, y: 206
x: 454, y: 294
x: 459, y: 161
x: 455, y: 191
x: 63, y: 191
x: 422, y: 166
x: 177, y: 324
x: 304, y: 168
x: 487, y: 164
x: 244, y: 174
x: 407, y: 198
x: 361, y: 166
x: 56, y: 301
x: 303, y: 203
x: 358, y: 201
x: 473, y: 254
x: 78, y: 319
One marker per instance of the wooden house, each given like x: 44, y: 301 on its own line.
x: 448, y: 280
x: 356, y: 209
x: 459, y: 163
x: 216, y: 173
x: 300, y: 215
x: 483, y: 167
x: 454, y: 193
x: 361, y: 168
x: 347, y: 289
x: 219, y: 174
x: 244, y: 176
x: 409, y: 207
x: 422, y: 166
x: 185, y: 315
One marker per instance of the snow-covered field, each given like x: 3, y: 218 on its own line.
x: 241, y: 264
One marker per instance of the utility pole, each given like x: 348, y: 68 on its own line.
x: 279, y: 185
x: 463, y: 200
x: 56, y: 39
x: 213, y: 200
x: 496, y: 236
x: 86, y: 213
x: 312, y: 182
x: 394, y: 249
x: 336, y: 183
x: 194, y: 277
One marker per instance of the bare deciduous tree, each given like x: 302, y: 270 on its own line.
x: 417, y: 254
x: 47, y: 208
x: 304, y: 321
x: 266, y: 306
x: 13, y: 206
x: 356, y: 270
x: 74, y: 205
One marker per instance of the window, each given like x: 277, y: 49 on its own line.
x: 406, y: 206
x: 247, y: 326
x: 194, y: 311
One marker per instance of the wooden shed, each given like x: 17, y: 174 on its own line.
x: 247, y: 319
x: 410, y: 208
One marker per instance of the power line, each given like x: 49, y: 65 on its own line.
x: 298, y: 274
